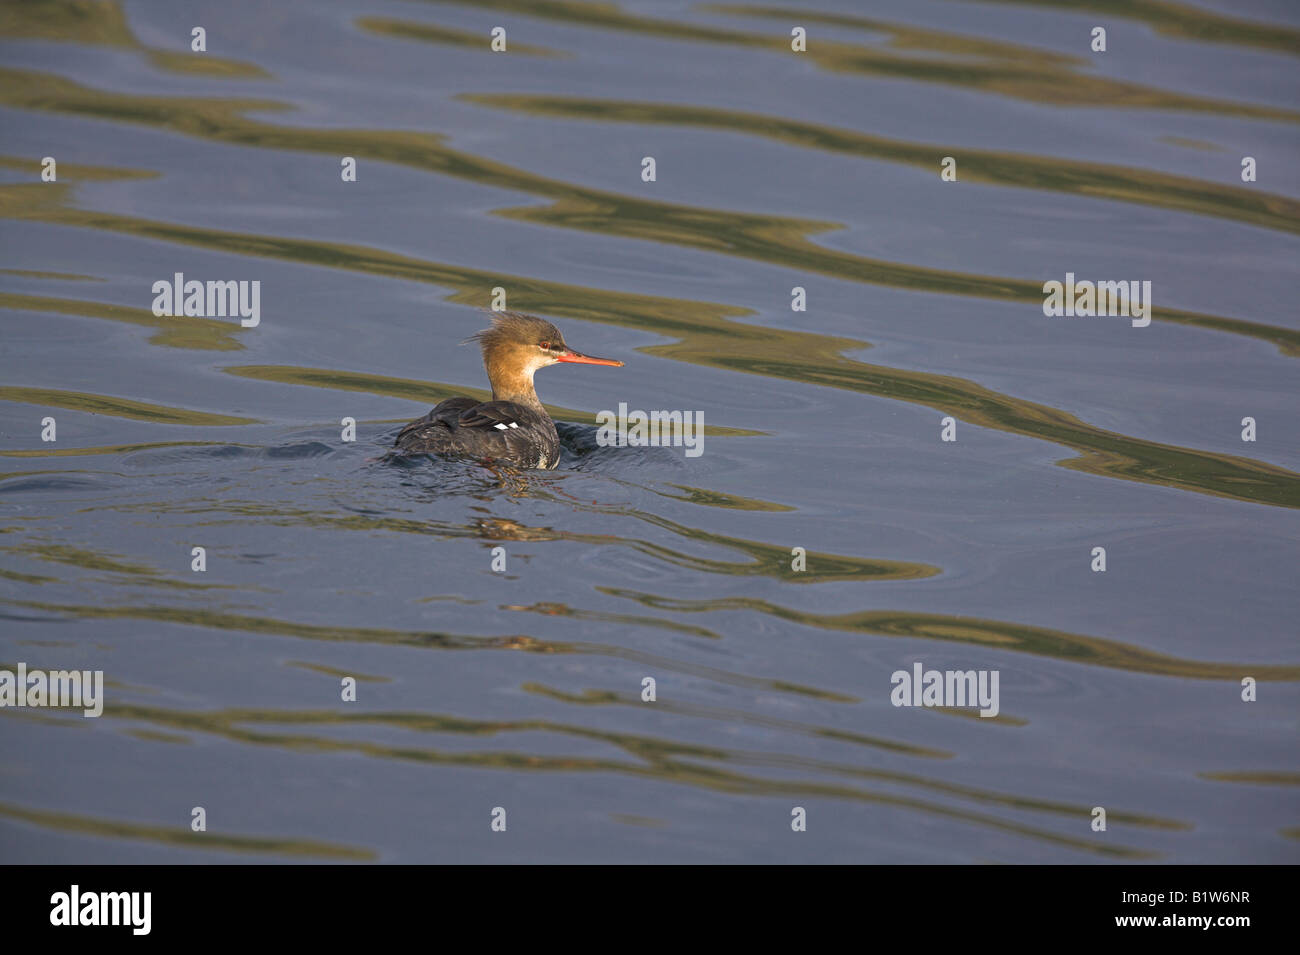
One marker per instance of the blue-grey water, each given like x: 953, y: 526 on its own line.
x: 522, y: 688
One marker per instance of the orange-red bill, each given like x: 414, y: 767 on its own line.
x: 581, y: 359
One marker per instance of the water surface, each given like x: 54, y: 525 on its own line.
x: 522, y: 688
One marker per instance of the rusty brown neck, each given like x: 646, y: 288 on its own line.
x: 513, y: 383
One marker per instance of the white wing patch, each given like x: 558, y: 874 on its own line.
x: 505, y: 427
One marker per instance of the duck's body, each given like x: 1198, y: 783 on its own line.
x: 513, y: 428
x: 496, y: 430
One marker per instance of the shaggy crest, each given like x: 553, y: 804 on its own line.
x: 515, y: 328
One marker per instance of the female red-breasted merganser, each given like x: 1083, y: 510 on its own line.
x: 512, y: 428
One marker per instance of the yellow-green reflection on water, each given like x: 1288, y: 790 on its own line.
x: 993, y: 634
x: 431, y: 33
x: 772, y: 239
x: 432, y: 640
x: 134, y: 573
x: 118, y: 407
x: 56, y: 276
x: 652, y: 758
x: 27, y: 578
x: 705, y: 497
x: 552, y: 609
x: 1183, y: 21
x: 1256, y: 778
x: 1053, y: 174
x: 706, y: 337
x: 112, y: 450
x: 181, y: 836
x: 174, y: 331
x: 763, y: 559
x: 76, y: 172
x: 733, y: 715
x: 102, y: 23
x: 1014, y: 70
x: 337, y: 673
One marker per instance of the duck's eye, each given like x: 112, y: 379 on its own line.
x: 545, y: 346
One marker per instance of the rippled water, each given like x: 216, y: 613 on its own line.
x: 522, y: 689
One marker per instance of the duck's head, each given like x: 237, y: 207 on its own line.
x: 517, y: 345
